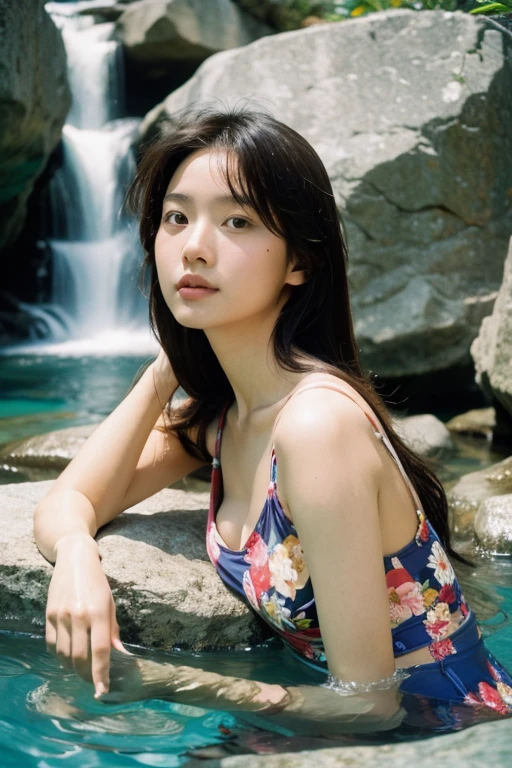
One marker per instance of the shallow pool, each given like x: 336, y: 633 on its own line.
x: 48, y: 716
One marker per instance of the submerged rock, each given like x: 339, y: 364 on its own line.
x: 166, y: 591
x: 54, y: 450
x: 50, y: 450
x: 492, y: 351
x: 479, y: 422
x: 467, y: 495
x: 493, y: 524
x: 398, y: 130
x: 489, y: 744
x: 425, y: 434
x: 34, y: 101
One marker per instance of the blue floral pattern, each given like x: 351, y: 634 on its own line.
x: 426, y: 604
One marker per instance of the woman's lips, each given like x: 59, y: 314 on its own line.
x: 196, y: 293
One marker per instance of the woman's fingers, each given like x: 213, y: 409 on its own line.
x: 50, y: 634
x: 100, y: 656
x: 81, y: 649
x: 63, y: 644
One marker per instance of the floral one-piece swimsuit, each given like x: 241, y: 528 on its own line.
x: 463, y: 684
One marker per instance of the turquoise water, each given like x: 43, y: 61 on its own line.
x: 40, y: 393
x: 48, y: 716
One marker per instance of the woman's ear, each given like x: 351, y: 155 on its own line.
x: 296, y: 275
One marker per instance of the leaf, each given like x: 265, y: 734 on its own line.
x: 492, y: 8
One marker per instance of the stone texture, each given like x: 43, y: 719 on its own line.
x: 166, y: 591
x: 282, y: 16
x: 34, y: 101
x: 467, y: 495
x: 424, y: 433
x: 53, y: 449
x: 398, y: 129
x: 479, y: 422
x: 493, y: 524
x: 177, y: 30
x: 488, y: 744
x: 492, y: 349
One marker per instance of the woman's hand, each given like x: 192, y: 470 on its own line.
x: 81, y: 624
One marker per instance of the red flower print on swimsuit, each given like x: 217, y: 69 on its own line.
x: 472, y: 699
x: 504, y: 690
x: 438, y: 622
x: 260, y: 577
x: 259, y: 572
x: 491, y: 698
x: 423, y: 533
x: 441, y: 649
x: 257, y: 552
x: 447, y: 594
x: 404, y: 594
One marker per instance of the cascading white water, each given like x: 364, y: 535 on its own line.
x: 93, y: 245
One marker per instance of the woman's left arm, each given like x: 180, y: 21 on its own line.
x: 329, y: 469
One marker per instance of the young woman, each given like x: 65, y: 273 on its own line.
x: 320, y: 517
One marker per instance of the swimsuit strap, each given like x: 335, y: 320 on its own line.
x: 377, y: 429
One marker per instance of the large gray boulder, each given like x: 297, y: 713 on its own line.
x: 399, y: 105
x: 492, y: 350
x: 176, y: 30
x: 166, y: 591
x: 34, y: 101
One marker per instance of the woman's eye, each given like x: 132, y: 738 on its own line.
x: 168, y: 217
x: 237, y: 221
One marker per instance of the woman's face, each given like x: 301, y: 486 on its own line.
x: 204, y: 233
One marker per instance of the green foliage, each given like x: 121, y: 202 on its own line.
x: 504, y: 6
x: 353, y: 8
x: 295, y: 11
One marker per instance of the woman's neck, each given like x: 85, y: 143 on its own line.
x: 247, y: 358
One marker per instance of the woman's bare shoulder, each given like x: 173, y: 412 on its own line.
x: 318, y: 388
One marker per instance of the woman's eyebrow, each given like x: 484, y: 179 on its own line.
x: 179, y: 197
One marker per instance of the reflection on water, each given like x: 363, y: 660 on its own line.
x: 53, y: 714
x: 39, y: 393
x: 47, y: 714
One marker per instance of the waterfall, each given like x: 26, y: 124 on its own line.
x: 95, y: 249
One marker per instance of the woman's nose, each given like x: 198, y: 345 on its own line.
x: 200, y: 244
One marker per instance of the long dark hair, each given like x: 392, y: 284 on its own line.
x: 279, y: 174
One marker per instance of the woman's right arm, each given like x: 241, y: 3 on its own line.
x: 127, y: 459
